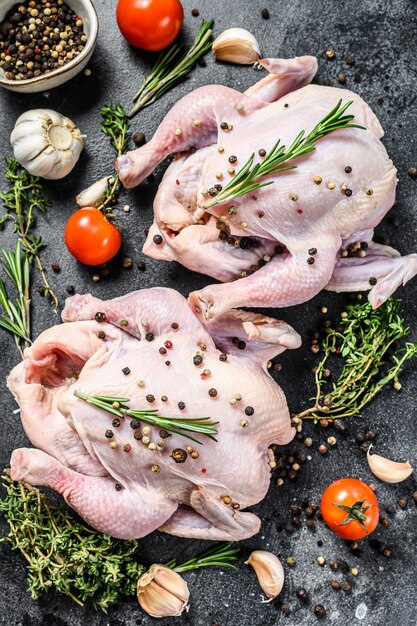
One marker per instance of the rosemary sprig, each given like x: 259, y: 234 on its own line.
x: 172, y: 67
x: 178, y: 425
x: 115, y: 124
x: 21, y: 202
x: 64, y: 554
x: 373, y: 352
x: 16, y: 316
x: 220, y: 556
x: 248, y: 177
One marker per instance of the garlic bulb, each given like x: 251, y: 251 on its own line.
x: 162, y: 592
x: 46, y: 143
x: 269, y: 571
x: 386, y: 470
x: 94, y: 193
x: 236, y: 45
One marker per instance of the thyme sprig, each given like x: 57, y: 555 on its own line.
x: 178, y: 425
x: 115, y: 124
x: 172, y: 67
x: 220, y: 556
x: 373, y: 350
x: 21, y: 202
x: 249, y: 176
x: 16, y: 315
x: 64, y: 554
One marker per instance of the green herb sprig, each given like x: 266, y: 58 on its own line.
x: 21, y: 202
x: 220, y: 556
x: 248, y: 177
x: 178, y: 425
x: 172, y: 67
x: 115, y: 124
x: 372, y: 348
x: 16, y: 316
x: 64, y: 554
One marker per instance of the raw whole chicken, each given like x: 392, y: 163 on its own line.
x: 150, y: 347
x: 311, y: 229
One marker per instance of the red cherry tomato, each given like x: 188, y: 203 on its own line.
x: 90, y: 238
x: 149, y: 24
x: 350, y: 508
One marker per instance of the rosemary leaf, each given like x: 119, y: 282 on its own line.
x: 172, y: 67
x: 114, y: 124
x: 248, y: 178
x: 178, y: 425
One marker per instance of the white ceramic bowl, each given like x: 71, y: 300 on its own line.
x: 44, y: 82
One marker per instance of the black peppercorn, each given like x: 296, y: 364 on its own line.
x: 179, y: 455
x: 197, y: 359
x: 241, y: 345
x: 319, y: 610
x: 126, y: 371
x: 373, y: 281
x: 181, y: 406
x: 157, y: 239
x: 138, y: 138
x: 118, y: 487
x: 149, y: 337
x: 348, y: 169
x: 265, y: 14
x: 134, y: 424
x: 223, y: 357
x: 232, y: 158
x: 301, y: 593
x: 224, y: 125
x: 212, y: 392
x: 138, y: 435
x: 348, y: 192
x: 101, y: 334
x: 116, y: 423
x: 164, y: 434
x: 150, y: 398
x: 109, y: 434
x: 249, y: 410
x: 100, y: 317
x: 310, y: 260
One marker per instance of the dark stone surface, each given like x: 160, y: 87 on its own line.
x: 380, y: 35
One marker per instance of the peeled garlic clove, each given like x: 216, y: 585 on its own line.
x: 46, y: 143
x: 162, y: 592
x: 93, y: 194
x: 236, y: 45
x: 386, y: 470
x: 269, y: 571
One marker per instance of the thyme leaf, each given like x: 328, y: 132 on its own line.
x: 372, y: 348
x: 248, y: 178
x: 172, y: 67
x: 178, y: 425
x: 115, y: 124
x: 21, y: 201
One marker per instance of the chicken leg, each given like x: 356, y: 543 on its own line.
x: 125, y: 514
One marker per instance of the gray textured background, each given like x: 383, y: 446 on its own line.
x: 381, y: 36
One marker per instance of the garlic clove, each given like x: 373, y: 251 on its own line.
x: 29, y: 147
x: 93, y: 194
x: 236, y: 45
x: 269, y: 571
x: 162, y: 592
x: 387, y: 470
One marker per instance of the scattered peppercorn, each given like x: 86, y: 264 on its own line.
x: 412, y: 171
x: 348, y: 169
x: 301, y: 593
x: 322, y: 449
x: 118, y: 486
x: 134, y: 424
x: 150, y: 398
x: 223, y: 357
x: 319, y: 610
x: 149, y: 337
x: 157, y: 239
x: 348, y: 192
x: 138, y: 138
x: 181, y: 406
x: 100, y: 317
x: 341, y: 77
x: 126, y: 371
x: 265, y: 14
x: 142, y: 266
x: 109, y: 434
x: 335, y: 585
x: 179, y: 455
x: 212, y: 392
x: 310, y: 260
x: 373, y: 281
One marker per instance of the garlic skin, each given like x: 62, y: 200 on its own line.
x: 162, y: 592
x: 269, y: 571
x: 236, y: 45
x: 46, y: 143
x: 93, y: 194
x: 386, y: 470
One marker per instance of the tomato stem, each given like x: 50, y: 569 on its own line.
x: 355, y: 513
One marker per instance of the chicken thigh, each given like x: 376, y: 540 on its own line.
x: 279, y: 245
x: 151, y: 348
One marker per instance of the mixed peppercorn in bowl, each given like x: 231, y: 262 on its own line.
x: 45, y: 43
